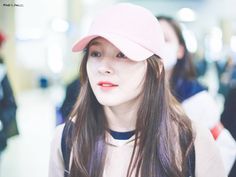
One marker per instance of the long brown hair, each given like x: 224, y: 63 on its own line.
x: 163, y: 132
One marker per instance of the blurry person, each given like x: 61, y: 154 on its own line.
x: 8, y: 125
x: 228, y: 116
x: 126, y: 123
x: 72, y: 92
x: 228, y: 119
x: 195, y: 99
x: 227, y: 74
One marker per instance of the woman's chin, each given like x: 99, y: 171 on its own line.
x: 108, y: 103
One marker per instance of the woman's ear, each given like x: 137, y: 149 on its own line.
x: 180, y: 52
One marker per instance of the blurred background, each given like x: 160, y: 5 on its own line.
x: 37, y: 53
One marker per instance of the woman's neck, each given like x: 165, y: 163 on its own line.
x: 123, y: 117
x: 169, y: 73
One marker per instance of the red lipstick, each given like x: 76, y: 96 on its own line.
x: 105, y: 85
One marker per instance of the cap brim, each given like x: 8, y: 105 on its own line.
x: 131, y: 49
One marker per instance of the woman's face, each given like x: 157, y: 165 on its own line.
x: 114, y: 78
x: 172, y: 45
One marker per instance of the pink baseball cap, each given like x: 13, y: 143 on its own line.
x: 134, y: 30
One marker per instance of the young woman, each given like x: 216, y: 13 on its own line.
x: 126, y: 123
x: 195, y: 99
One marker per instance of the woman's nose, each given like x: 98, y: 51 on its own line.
x: 106, y: 66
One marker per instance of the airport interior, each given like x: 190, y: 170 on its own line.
x: 37, y: 50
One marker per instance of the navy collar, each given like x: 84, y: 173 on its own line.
x: 122, y: 135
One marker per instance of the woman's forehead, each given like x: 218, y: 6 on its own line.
x: 100, y: 41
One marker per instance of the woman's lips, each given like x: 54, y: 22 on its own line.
x: 105, y: 85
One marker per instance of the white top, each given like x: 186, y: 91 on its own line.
x: 208, y: 162
x: 203, y: 109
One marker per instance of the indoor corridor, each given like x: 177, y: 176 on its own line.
x: 27, y: 155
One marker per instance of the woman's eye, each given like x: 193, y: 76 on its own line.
x: 121, y: 55
x: 95, y: 54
